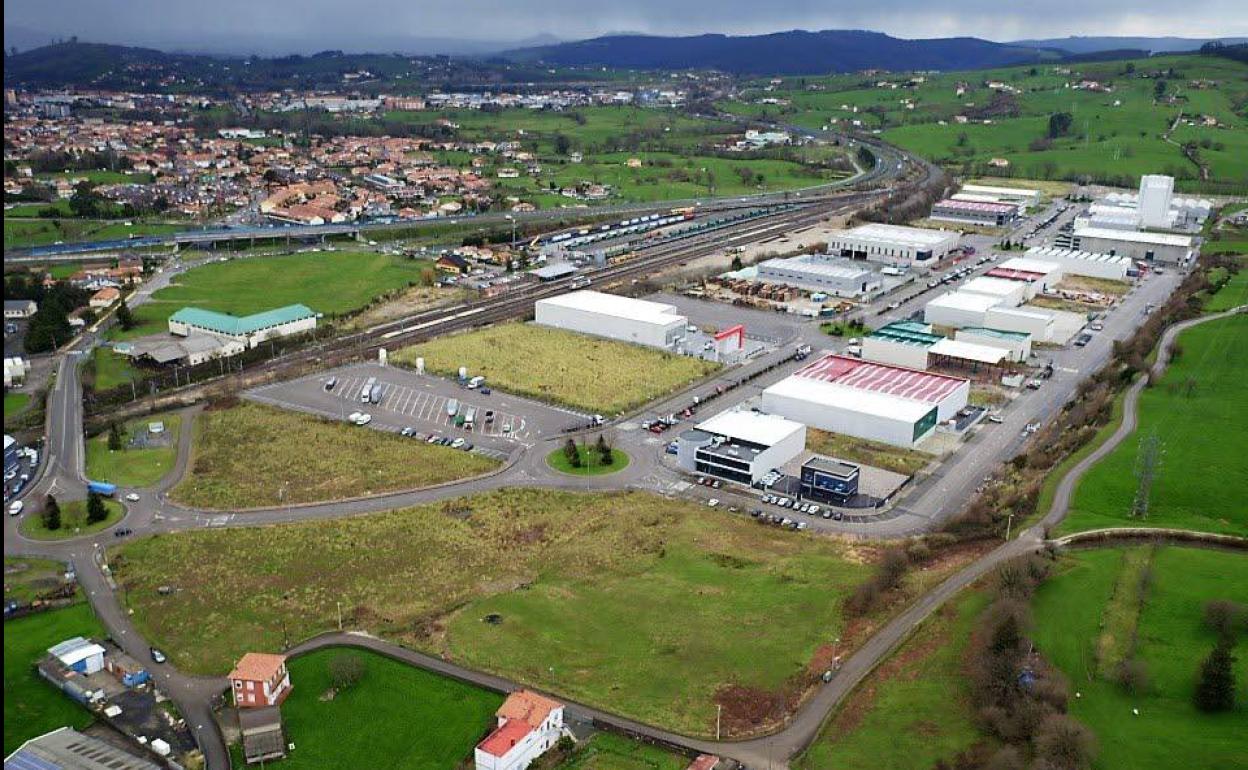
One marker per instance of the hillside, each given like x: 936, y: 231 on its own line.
x: 1086, y: 45
x: 783, y: 53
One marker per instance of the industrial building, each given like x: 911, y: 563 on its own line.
x: 1167, y: 248
x: 959, y: 309
x: 893, y: 404
x: 639, y: 321
x: 741, y: 446
x: 970, y: 357
x: 972, y: 212
x: 826, y: 480
x: 1017, y: 345
x: 1156, y: 192
x: 893, y: 244
x: 1154, y: 206
x: 901, y: 343
x: 1044, y: 274
x: 1033, y: 321
x: 1085, y: 263
x: 67, y: 749
x: 1020, y: 196
x: 1010, y: 292
x: 833, y: 275
x: 250, y: 330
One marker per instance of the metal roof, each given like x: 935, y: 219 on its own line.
x: 640, y: 310
x: 68, y: 749
x: 235, y: 325
x: 1134, y: 236
x: 983, y: 331
x: 965, y: 300
x: 74, y: 650
x: 830, y: 394
x: 912, y: 384
x: 753, y: 427
x: 907, y: 332
x: 969, y: 351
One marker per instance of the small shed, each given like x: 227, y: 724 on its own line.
x: 264, y: 739
x: 79, y: 654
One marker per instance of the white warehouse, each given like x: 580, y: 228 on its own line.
x: 1016, y: 344
x: 1151, y: 247
x: 1012, y: 293
x: 959, y: 309
x: 1083, y: 263
x: 740, y: 446
x: 639, y: 321
x: 894, y: 244
x: 837, y: 276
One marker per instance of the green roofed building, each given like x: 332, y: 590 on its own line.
x: 901, y: 343
x: 250, y: 330
x: 1017, y: 344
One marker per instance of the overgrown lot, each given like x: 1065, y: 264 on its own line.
x: 144, y: 458
x: 596, y: 375
x: 542, y: 586
x: 248, y: 456
x: 873, y: 453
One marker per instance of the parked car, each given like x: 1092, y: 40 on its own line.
x: 331, y: 383
x: 712, y: 502
x: 457, y: 443
x: 158, y: 656
x: 996, y: 418
x: 123, y: 532
x: 407, y: 431
x: 16, y: 507
x: 132, y: 497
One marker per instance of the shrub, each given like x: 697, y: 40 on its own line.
x: 1064, y: 743
x: 345, y: 670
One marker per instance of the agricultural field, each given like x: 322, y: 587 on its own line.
x: 144, y: 458
x: 1110, y: 604
x: 378, y: 716
x: 331, y: 282
x: 596, y: 375
x: 1114, y: 136
x: 873, y: 453
x: 1197, y: 413
x: 914, y: 709
x: 250, y: 456
x: 73, y: 521
x: 33, y: 707
x: 558, y: 575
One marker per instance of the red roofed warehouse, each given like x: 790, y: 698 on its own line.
x: 528, y: 725
x: 260, y: 679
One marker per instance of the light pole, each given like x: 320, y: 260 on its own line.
x: 1009, y: 523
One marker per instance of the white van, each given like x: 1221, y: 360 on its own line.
x: 476, y: 382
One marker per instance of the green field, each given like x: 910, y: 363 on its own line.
x: 1233, y: 294
x: 591, y: 462
x: 1113, y: 137
x: 73, y: 521
x: 609, y: 751
x: 134, y: 467
x: 25, y: 579
x: 41, y: 232
x: 333, y: 283
x: 33, y: 707
x: 110, y: 369
x: 589, y: 373
x: 15, y: 402
x: 251, y: 456
x: 1172, y: 640
x: 396, y: 715
x: 729, y: 603
x: 911, y: 711
x: 1198, y: 411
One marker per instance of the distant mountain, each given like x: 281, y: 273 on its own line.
x: 1087, y: 45
x: 783, y: 53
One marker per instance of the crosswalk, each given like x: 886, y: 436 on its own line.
x: 436, y: 409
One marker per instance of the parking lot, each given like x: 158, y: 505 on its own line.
x: 421, y: 403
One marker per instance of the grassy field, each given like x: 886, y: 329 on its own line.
x: 333, y: 283
x: 1233, y: 294
x: 729, y: 604
x: 591, y: 462
x: 911, y: 711
x: 41, y: 232
x: 873, y: 453
x: 73, y: 521
x: 1049, y: 490
x: 608, y: 751
x: 378, y: 717
x: 1113, y: 136
x: 134, y: 467
x: 251, y: 456
x: 1198, y: 411
x: 1172, y: 641
x: 26, y: 578
x: 111, y: 369
x: 31, y: 705
x: 15, y: 402
x: 596, y: 375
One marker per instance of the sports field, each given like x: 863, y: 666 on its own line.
x: 250, y: 456
x: 1198, y: 412
x: 1079, y: 616
x: 732, y: 608
x: 329, y: 282
x: 596, y: 375
x: 396, y: 715
x: 144, y: 458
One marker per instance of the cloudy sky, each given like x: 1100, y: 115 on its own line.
x: 269, y: 25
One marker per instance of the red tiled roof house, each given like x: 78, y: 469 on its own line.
x: 260, y: 679
x: 528, y: 725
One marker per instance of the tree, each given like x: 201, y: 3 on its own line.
x: 345, y: 670
x: 114, y: 437
x: 124, y: 317
x: 1159, y: 88
x: 604, y: 450
x: 1059, y: 124
x: 1064, y: 743
x: 562, y: 144
x: 572, y: 453
x: 51, y: 514
x: 96, y: 511
x: 736, y: 262
x: 1226, y: 618
x: 1215, y: 689
x: 86, y: 202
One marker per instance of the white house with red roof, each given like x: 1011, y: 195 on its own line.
x: 260, y: 679
x: 528, y: 725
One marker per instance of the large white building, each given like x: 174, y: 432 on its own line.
x: 1012, y: 293
x: 870, y: 400
x: 959, y: 309
x: 974, y: 212
x: 1156, y: 192
x: 655, y: 324
x: 837, y: 276
x: 894, y: 244
x: 1150, y: 247
x: 249, y: 330
x: 1037, y: 322
x: 901, y: 343
x: 528, y: 725
x: 1021, y: 196
x: 741, y: 446
x: 1083, y: 263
